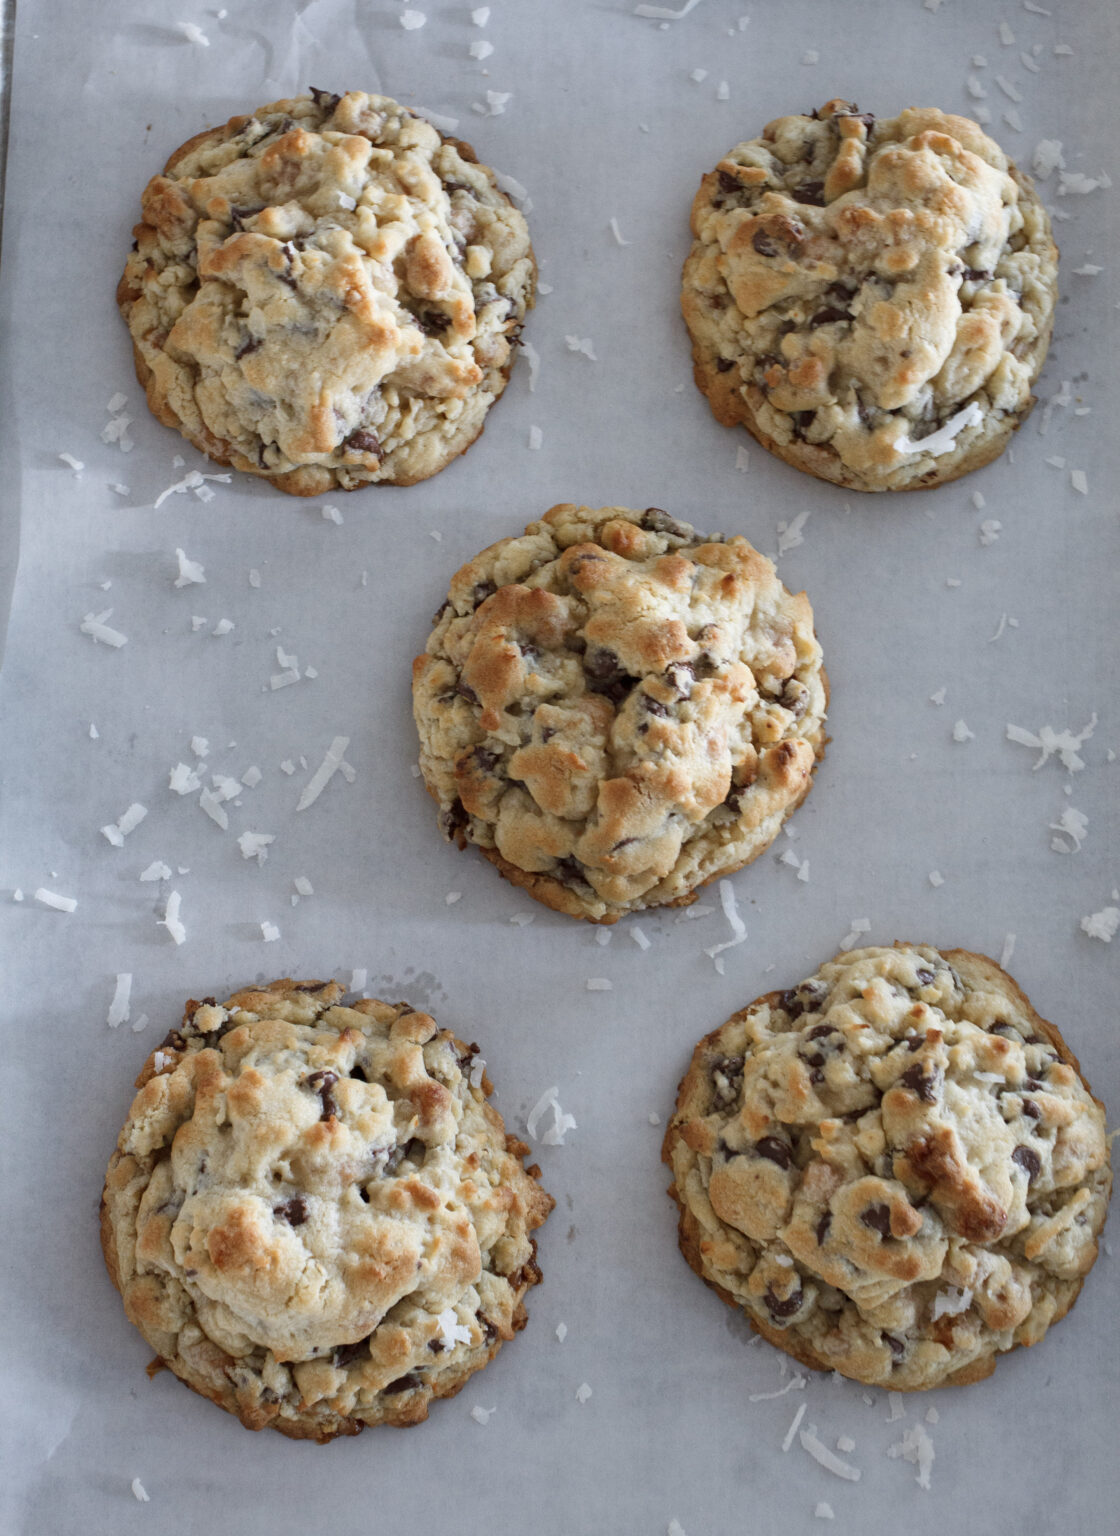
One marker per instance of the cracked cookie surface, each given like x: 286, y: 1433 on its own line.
x: 871, y: 299
x: 327, y: 293
x: 617, y: 709
x: 313, y: 1215
x: 895, y: 1168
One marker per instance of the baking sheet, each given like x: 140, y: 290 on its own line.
x: 605, y: 120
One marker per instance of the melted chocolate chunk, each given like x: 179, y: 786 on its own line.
x: 819, y: 1031
x: 655, y: 520
x: 775, y: 1150
x: 653, y: 706
x: 322, y: 1083
x: 172, y: 1041
x: 482, y: 591
x: 811, y: 193
x: 896, y: 1346
x: 486, y: 760
x: 606, y: 675
x: 924, y: 977
x: 916, y: 1080
x: 251, y: 344
x: 976, y: 275
x: 822, y: 1227
x: 453, y: 819
x: 326, y: 101
x: 489, y: 1332
x: 433, y: 322
x: 915, y: 1043
x: 729, y: 183
x: 570, y: 872
x: 293, y: 1211
x: 724, y: 365
x: 782, y: 1309
x: 802, y: 421
x: 878, y: 1218
x: 358, y: 1072
x: 1029, y: 1161
x: 764, y: 244
x: 364, y: 441
x: 346, y: 1353
x: 1031, y: 1110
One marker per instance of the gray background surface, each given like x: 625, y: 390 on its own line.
x: 103, y: 92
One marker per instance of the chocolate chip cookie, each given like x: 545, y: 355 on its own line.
x: 895, y: 1168
x: 326, y: 293
x: 871, y: 298
x: 314, y: 1216
x: 617, y: 709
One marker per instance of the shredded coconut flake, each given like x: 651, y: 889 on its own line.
x: 480, y: 15
x: 583, y: 1392
x: 723, y: 91
x: 170, y: 918
x: 795, y: 1384
x: 791, y: 1432
x: 938, y: 697
x: 1047, y: 158
x: 990, y: 530
x: 95, y: 626
x: 190, y: 482
x: 823, y: 1511
x: 1075, y: 825
x: 961, y: 732
x: 790, y: 534
x: 157, y: 870
x: 536, y: 437
x: 581, y: 344
x: 211, y: 803
x: 936, y: 878
x: 1048, y: 741
x: 1008, y: 951
x: 481, y: 1415
x: 562, y: 1123
x: 254, y: 845
x: 451, y: 1331
x: 1079, y: 480
x: 359, y: 979
x: 917, y: 1448
x: 663, y: 13
x: 944, y: 440
x: 731, y: 912
x: 412, y: 20
x: 1098, y: 925
x: 270, y: 933
x: 952, y: 1301
x: 742, y: 460
x: 120, y: 1007
x: 51, y: 899
x: 191, y: 573
x: 859, y: 925
x: 639, y: 937
x: 324, y: 773
x: 826, y: 1458
x: 138, y: 1490
x: 599, y: 984
x: 533, y: 358
x: 481, y: 49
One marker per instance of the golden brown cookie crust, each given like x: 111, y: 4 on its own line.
x: 617, y: 710
x: 872, y: 300
x: 327, y: 293
x: 948, y: 1214
x: 314, y: 1216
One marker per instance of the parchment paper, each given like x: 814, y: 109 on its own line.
x: 604, y: 121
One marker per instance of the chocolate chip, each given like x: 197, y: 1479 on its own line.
x: 681, y: 675
x: 915, y: 1043
x: 924, y: 977
x: 726, y: 1074
x: 842, y: 291
x: 781, y: 1309
x: 806, y: 997
x: 453, y: 819
x: 364, y: 441
x: 482, y: 591
x: 172, y: 1041
x: 489, y: 1332
x: 810, y: 192
x: 322, y: 1083
x: 326, y: 101
x: 775, y: 1150
x: 878, y: 1218
x: 916, y: 1080
x: 247, y: 346
x: 1032, y: 1083
x: 1029, y: 1161
x: 402, y: 1384
x: 345, y: 1353
x: 1031, y: 1110
x: 655, y: 520
x: 569, y: 872
x: 896, y: 1346
x: 436, y: 1346
x: 819, y: 1031
x: 293, y: 1211
x: 729, y: 183
x: 802, y: 421
x: 433, y: 322
x: 486, y: 760
x: 606, y: 675
x: 468, y: 1056
x: 653, y: 706
x: 724, y: 365
x: 822, y: 1228
x: 976, y: 275
x: 764, y: 244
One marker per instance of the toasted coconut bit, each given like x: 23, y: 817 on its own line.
x: 599, y: 984
x: 583, y: 1392
x: 157, y: 870
x: 120, y: 1007
x: 138, y: 1490
x: 481, y: 1415
x: 170, y: 918
x: 1098, y: 925
x: 324, y: 773
x: 270, y: 933
x: 961, y: 732
x: 826, y: 1458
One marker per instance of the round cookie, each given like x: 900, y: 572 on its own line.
x: 313, y: 1215
x: 617, y: 709
x: 895, y: 1168
x: 327, y: 293
x: 871, y: 298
